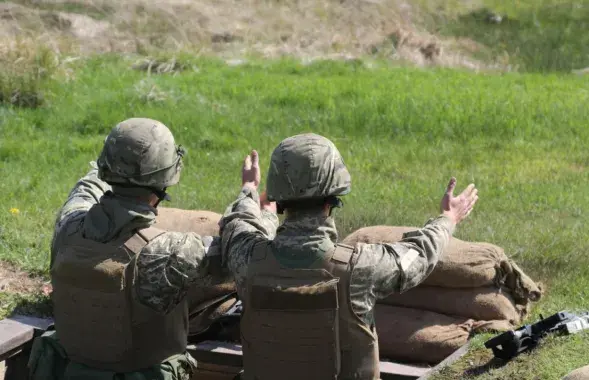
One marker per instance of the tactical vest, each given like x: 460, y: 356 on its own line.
x: 100, y: 322
x: 299, y: 323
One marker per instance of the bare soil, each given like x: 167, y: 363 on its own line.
x: 13, y: 280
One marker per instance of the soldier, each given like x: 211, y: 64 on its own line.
x: 119, y: 284
x: 308, y: 301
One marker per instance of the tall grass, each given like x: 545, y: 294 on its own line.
x: 24, y: 67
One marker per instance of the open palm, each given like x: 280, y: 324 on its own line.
x: 458, y: 207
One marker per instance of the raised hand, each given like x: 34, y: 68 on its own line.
x: 250, y: 173
x: 459, y: 207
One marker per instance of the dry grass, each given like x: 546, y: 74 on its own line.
x: 308, y: 29
x: 23, y: 66
x: 14, y: 280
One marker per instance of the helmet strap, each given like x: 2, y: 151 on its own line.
x: 161, y: 195
x: 334, y: 202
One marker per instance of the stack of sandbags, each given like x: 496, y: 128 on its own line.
x: 212, y: 296
x: 475, y: 287
x: 204, y: 223
x: 463, y: 265
x: 415, y: 335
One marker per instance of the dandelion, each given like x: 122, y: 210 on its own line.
x: 14, y: 211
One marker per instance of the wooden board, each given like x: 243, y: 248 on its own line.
x: 16, y: 335
x: 400, y: 371
x: 216, y: 360
x: 13, y: 335
x: 448, y: 361
x: 229, y: 355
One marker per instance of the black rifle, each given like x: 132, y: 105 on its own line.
x: 512, y: 343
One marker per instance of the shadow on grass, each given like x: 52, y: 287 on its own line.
x: 478, y: 370
x: 548, y: 38
x: 36, y: 305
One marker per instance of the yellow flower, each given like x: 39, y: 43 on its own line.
x: 14, y: 211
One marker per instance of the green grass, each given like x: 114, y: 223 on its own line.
x: 535, y: 35
x: 522, y: 138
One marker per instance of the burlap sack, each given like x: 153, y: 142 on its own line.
x: 207, y: 300
x: 483, y: 304
x: 419, y: 336
x: 204, y: 223
x: 463, y: 264
x: 492, y: 326
x: 578, y: 374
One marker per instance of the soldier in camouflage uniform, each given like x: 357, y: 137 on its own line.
x: 119, y: 284
x: 308, y: 301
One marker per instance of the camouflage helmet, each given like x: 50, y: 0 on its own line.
x: 140, y: 152
x: 306, y: 166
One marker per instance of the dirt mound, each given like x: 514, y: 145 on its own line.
x: 308, y: 29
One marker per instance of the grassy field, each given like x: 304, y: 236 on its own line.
x: 521, y: 133
x: 521, y: 138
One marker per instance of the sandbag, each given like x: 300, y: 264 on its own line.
x: 377, y: 234
x: 204, y: 223
x: 486, y: 303
x: 207, y: 299
x: 463, y: 264
x: 419, y: 336
x: 578, y: 374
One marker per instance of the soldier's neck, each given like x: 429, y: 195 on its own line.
x: 310, y: 211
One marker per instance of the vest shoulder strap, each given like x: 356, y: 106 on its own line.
x: 340, y: 262
x: 139, y: 240
x: 343, y: 254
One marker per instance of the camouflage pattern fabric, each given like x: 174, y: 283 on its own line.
x: 306, y: 166
x: 166, y: 267
x: 380, y: 269
x: 140, y: 152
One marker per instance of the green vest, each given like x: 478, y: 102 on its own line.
x: 101, y: 323
x: 299, y: 323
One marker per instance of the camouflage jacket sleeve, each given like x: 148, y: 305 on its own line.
x: 382, y: 269
x: 242, y: 226
x: 169, y: 265
x: 87, y: 192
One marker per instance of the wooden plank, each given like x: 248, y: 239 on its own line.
x: 212, y: 375
x: 448, y: 361
x: 13, y: 334
x: 18, y: 330
x: 217, y: 352
x: 229, y: 354
x: 40, y: 324
x: 398, y: 371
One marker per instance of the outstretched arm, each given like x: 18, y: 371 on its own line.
x: 248, y: 220
x: 382, y: 269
